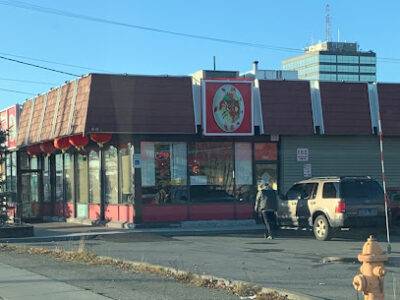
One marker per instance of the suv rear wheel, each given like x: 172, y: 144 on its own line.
x: 322, y: 230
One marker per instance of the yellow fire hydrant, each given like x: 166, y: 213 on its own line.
x: 370, y: 281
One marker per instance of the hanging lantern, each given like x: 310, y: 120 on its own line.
x: 100, y: 138
x: 33, y: 150
x: 62, y: 144
x: 78, y: 141
x: 48, y: 147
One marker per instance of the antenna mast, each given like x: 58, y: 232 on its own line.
x: 328, y: 25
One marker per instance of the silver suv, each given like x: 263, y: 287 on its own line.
x: 330, y: 203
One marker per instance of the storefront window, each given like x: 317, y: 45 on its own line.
x: 126, y: 173
x: 14, y: 172
x: 69, y: 177
x: 59, y: 178
x: 46, y: 180
x: 34, y: 180
x: 164, y: 173
x: 8, y: 172
x: 94, y: 177
x: 243, y: 172
x: 111, y: 175
x: 211, y: 172
x: 82, y: 180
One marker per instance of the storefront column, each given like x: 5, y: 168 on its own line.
x: 19, y: 187
x: 102, y: 185
x: 41, y: 185
x: 52, y: 172
x: 138, y: 187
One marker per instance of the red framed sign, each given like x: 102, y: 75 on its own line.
x: 9, y: 119
x: 228, y: 107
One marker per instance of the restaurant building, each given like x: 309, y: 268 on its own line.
x: 145, y: 149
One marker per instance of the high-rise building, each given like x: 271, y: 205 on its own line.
x: 334, y: 61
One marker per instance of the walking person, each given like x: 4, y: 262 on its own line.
x: 265, y: 206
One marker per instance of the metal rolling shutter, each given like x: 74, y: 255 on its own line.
x: 334, y: 156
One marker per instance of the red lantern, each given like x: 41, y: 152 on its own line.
x: 100, y: 138
x: 34, y: 150
x: 78, y: 141
x: 62, y: 143
x: 48, y: 147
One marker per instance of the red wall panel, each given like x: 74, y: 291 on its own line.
x: 94, y: 211
x: 244, y: 211
x: 46, y: 209
x: 211, y: 212
x: 111, y: 212
x: 165, y: 213
x: 126, y: 213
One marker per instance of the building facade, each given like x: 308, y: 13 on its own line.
x: 334, y: 61
x: 140, y: 149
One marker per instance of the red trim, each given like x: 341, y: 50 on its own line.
x: 165, y: 213
x: 244, y: 211
x: 94, y: 211
x: 126, y: 213
x: 211, y: 212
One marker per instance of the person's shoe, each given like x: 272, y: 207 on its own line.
x: 266, y: 236
x: 269, y: 237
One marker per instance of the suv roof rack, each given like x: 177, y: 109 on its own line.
x: 345, y: 177
x: 325, y: 177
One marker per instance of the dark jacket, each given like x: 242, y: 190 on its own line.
x: 265, y: 200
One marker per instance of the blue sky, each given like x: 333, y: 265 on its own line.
x: 100, y: 47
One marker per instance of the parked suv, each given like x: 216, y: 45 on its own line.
x: 330, y: 203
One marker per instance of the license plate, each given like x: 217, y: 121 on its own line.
x: 367, y: 212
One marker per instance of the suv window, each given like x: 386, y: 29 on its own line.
x: 358, y: 191
x: 302, y: 190
x: 330, y: 190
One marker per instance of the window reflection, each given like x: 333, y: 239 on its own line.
x: 69, y: 177
x: 82, y: 180
x: 164, y: 173
x: 94, y: 177
x: 111, y: 175
x: 46, y: 180
x: 127, y: 173
x: 211, y: 172
x: 59, y: 178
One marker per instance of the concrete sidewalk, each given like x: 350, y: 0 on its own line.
x: 18, y: 284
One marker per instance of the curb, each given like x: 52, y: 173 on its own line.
x: 226, y: 282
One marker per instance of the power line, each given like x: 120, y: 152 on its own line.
x: 37, y: 66
x: 53, y: 62
x: 18, y: 92
x: 47, y: 10
x: 27, y: 81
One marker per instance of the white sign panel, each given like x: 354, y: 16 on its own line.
x: 302, y: 154
x: 307, y: 171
